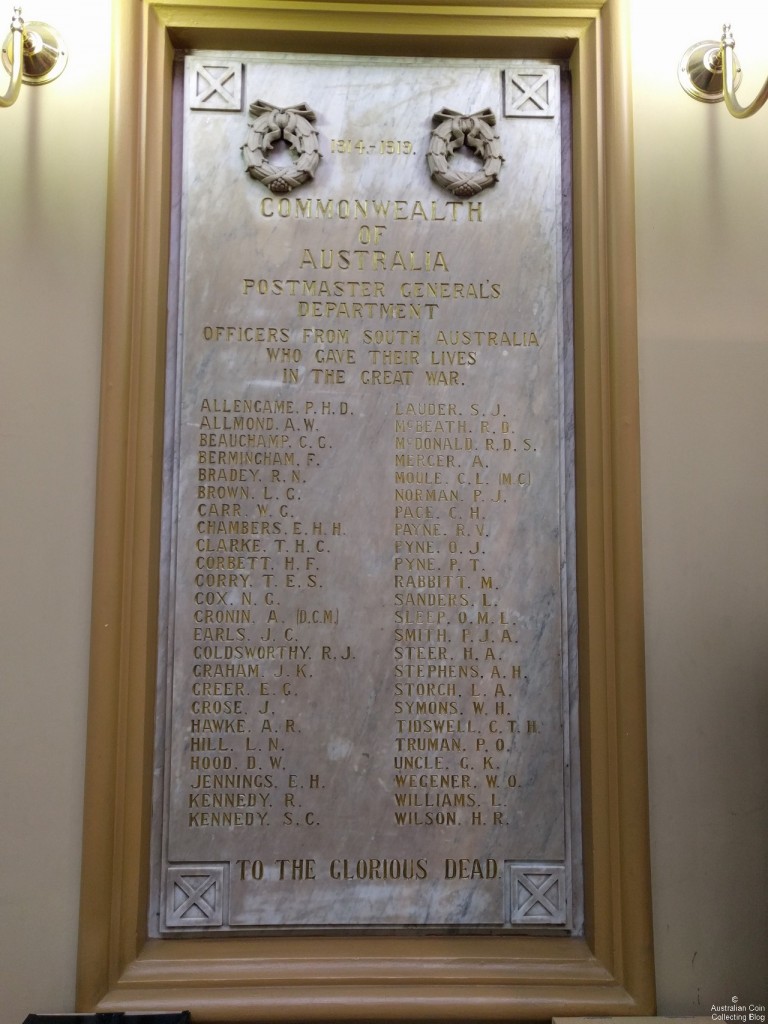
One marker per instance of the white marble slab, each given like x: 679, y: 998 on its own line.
x: 367, y: 680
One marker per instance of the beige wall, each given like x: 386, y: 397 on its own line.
x: 702, y: 237
x: 52, y: 199
x: 702, y: 205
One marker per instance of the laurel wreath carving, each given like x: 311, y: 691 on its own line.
x: 270, y: 125
x: 453, y: 130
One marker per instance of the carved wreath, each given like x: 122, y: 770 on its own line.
x: 291, y: 124
x: 452, y: 131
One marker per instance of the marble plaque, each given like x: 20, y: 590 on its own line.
x: 367, y: 672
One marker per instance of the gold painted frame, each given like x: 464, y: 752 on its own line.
x: 610, y: 970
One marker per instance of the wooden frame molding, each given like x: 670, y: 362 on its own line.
x: 610, y: 970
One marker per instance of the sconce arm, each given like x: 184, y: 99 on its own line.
x: 17, y: 34
x: 729, y: 92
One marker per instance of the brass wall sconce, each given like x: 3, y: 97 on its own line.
x: 33, y: 53
x: 709, y: 71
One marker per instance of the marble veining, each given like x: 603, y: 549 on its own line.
x: 367, y: 682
